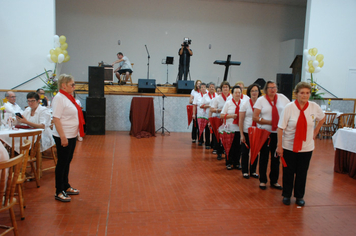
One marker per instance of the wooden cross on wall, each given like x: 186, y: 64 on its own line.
x: 227, y: 64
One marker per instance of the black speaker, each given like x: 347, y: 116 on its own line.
x: 285, y: 85
x: 185, y: 86
x: 95, y: 125
x: 146, y: 85
x: 261, y: 82
x: 95, y: 106
x: 96, y: 81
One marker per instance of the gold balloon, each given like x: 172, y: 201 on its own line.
x: 310, y: 63
x: 64, y: 46
x: 62, y: 39
x: 314, y: 51
x: 321, y: 64
x: 51, y: 51
x: 66, y: 59
x: 54, y: 58
x: 320, y: 57
x: 310, y: 52
x: 65, y: 52
x: 58, y: 51
x: 311, y: 69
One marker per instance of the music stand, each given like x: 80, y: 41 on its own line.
x: 168, y: 61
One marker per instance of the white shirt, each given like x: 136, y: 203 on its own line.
x: 229, y: 108
x: 41, y: 116
x: 247, y: 109
x: 201, y: 113
x: 218, y: 103
x: 207, y: 100
x: 194, y: 93
x: 11, y: 109
x: 288, y: 122
x: 125, y: 64
x: 266, y: 109
x: 244, y: 99
x: 67, y: 112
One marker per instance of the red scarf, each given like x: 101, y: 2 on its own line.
x: 301, y: 129
x: 242, y: 96
x: 210, y: 95
x: 237, y: 109
x: 80, y: 113
x: 201, y: 94
x: 223, y: 96
x: 275, y: 116
x: 253, y: 122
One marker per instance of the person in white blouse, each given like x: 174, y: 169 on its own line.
x: 266, y: 114
x: 194, y: 93
x: 217, y: 105
x: 245, y: 122
x: 244, y: 98
x: 39, y: 117
x: 205, y: 104
x: 230, y: 114
x: 11, y: 107
x: 198, y: 112
x: 296, y: 135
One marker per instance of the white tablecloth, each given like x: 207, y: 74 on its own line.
x: 345, y: 139
x: 4, y: 136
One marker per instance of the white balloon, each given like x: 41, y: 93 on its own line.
x: 306, y: 53
x: 309, y: 57
x: 317, y: 69
x: 56, y: 38
x: 57, y: 44
x: 60, y: 58
x: 49, y: 58
x: 312, y: 58
x: 307, y: 68
x: 315, y: 63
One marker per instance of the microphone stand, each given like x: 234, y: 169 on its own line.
x: 148, y: 63
x: 162, y: 128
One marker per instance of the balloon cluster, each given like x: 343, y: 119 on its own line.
x: 315, y: 60
x: 59, y: 53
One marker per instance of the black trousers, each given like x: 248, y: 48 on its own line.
x: 295, y: 174
x: 245, y: 157
x: 265, y: 152
x: 235, y: 151
x: 205, y: 133
x: 214, y: 142
x: 183, y: 70
x: 195, y: 129
x: 65, y: 156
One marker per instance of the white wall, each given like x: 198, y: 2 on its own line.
x: 27, y: 29
x: 251, y: 33
x: 330, y: 27
x: 287, y: 52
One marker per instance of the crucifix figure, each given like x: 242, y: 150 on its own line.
x: 227, y: 64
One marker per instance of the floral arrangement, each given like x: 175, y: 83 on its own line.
x: 315, y: 63
x: 2, y: 108
x: 51, y: 83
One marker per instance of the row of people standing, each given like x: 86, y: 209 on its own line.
x: 240, y: 112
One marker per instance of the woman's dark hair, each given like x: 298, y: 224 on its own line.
x: 248, y: 93
x: 225, y: 83
x: 196, y: 85
x: 266, y: 86
x: 33, y: 95
x: 236, y: 87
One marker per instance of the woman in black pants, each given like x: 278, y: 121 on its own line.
x: 67, y: 119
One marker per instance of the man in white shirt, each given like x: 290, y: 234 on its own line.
x: 124, y: 67
x: 11, y: 106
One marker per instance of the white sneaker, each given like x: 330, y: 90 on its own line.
x: 80, y: 138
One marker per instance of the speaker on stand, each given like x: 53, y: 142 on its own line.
x: 285, y: 85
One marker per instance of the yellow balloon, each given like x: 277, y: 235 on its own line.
x: 310, y: 63
x: 58, y: 51
x: 321, y: 64
x: 311, y: 69
x: 320, y: 57
x: 65, y: 52
x: 310, y: 52
x: 62, y: 39
x: 54, y: 58
x: 66, y: 59
x: 314, y: 51
x: 64, y: 46
x: 51, y: 51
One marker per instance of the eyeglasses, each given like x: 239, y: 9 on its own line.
x: 12, y: 96
x: 72, y: 85
x: 31, y: 101
x: 271, y: 87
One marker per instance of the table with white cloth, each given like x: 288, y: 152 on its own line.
x: 4, y: 136
x: 344, y: 141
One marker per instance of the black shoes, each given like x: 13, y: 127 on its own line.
x: 286, y: 201
x: 207, y: 147
x: 246, y: 176
x: 219, y: 157
x: 300, y: 202
x: 229, y: 167
x: 263, y: 186
x: 193, y: 141
x: 200, y: 144
x: 239, y: 167
x: 254, y: 175
x: 276, y: 186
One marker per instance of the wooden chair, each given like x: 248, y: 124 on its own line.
x: 346, y: 120
x: 25, y: 149
x: 123, y: 77
x: 328, y: 128
x: 35, y: 154
x: 9, y: 172
x: 53, y: 152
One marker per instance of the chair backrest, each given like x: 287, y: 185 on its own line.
x: 9, y: 172
x: 34, y: 136
x: 329, y: 118
x: 25, y: 149
x: 347, y: 120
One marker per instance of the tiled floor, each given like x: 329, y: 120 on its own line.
x: 168, y: 186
